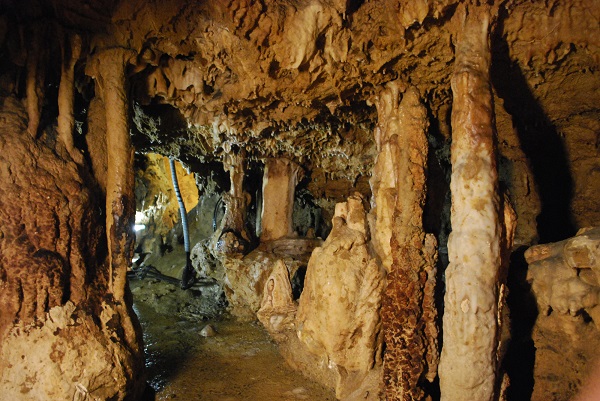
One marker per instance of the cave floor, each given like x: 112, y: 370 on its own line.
x: 240, y: 362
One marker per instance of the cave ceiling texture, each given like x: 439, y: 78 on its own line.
x: 298, y: 78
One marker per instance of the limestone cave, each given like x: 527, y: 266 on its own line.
x: 288, y: 200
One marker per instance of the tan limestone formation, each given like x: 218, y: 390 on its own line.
x: 71, y: 50
x: 279, y: 183
x: 108, y: 67
x: 468, y: 365
x: 384, y: 178
x: 565, y: 275
x: 408, y: 312
x: 232, y: 237
x: 62, y: 335
x: 338, y: 313
x: 278, y: 310
x: 36, y: 72
x: 96, y: 141
x: 565, y: 279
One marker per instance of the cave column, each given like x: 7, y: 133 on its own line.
x: 279, y: 184
x: 109, y: 70
x: 468, y: 366
x: 232, y: 234
x: 409, y: 255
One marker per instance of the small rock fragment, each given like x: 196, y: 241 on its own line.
x: 208, y: 331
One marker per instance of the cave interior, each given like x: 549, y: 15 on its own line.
x: 400, y: 197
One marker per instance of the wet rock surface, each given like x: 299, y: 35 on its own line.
x: 239, y: 362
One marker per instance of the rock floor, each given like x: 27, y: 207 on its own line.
x: 240, y: 362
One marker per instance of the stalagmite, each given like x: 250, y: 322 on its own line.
x: 280, y: 179
x: 232, y: 236
x: 278, y: 309
x: 66, y: 120
x: 468, y: 366
x: 109, y: 69
x: 408, y: 312
x: 338, y: 314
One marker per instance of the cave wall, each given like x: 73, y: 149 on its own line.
x: 67, y: 329
x: 63, y: 332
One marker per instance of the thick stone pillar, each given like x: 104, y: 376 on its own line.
x: 109, y: 70
x: 408, y: 312
x: 232, y: 236
x: 468, y: 366
x: 280, y: 179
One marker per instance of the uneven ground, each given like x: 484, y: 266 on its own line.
x: 239, y: 363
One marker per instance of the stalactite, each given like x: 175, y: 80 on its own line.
x: 468, y: 366
x: 109, y: 69
x: 71, y: 50
x: 280, y: 179
x: 408, y: 311
x: 35, y: 80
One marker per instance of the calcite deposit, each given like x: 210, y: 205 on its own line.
x: 461, y: 129
x: 232, y: 236
x: 564, y: 274
x: 67, y: 329
x: 279, y: 186
x: 407, y: 252
x: 278, y: 310
x: 468, y: 365
x: 339, y: 321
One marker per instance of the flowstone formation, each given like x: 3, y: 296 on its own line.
x: 564, y: 278
x: 408, y: 254
x: 565, y: 274
x: 334, y: 332
x: 66, y: 329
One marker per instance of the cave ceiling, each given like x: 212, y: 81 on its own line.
x: 297, y: 78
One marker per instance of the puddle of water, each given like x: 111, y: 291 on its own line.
x: 240, y: 363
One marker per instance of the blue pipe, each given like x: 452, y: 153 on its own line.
x: 187, y: 277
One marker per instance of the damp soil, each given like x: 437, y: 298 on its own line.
x: 240, y: 362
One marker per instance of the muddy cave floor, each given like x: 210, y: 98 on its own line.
x: 240, y: 362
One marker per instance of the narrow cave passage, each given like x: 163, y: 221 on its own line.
x: 194, y: 348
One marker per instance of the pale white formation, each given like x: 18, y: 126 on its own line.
x: 385, y: 172
x: 565, y: 275
x: 278, y: 309
x: 338, y: 313
x: 279, y: 183
x: 468, y: 365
